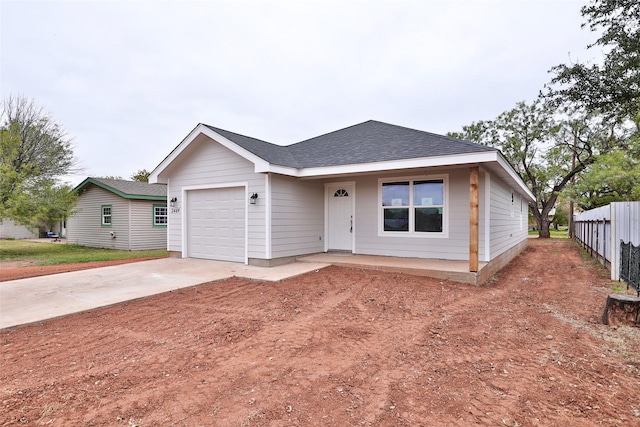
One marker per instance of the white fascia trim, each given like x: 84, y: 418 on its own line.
x: 257, y: 161
x: 472, y: 158
x: 261, y: 165
x: 266, y: 167
x: 512, y: 173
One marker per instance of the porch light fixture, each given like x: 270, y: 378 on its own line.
x: 173, y: 202
x: 253, y: 198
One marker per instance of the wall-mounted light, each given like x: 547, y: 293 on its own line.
x: 253, y: 198
x: 173, y: 202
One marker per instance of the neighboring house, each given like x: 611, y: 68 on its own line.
x: 10, y: 230
x: 119, y: 214
x: 372, y: 188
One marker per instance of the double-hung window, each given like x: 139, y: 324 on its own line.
x: 105, y: 215
x: 160, y: 216
x: 413, y: 207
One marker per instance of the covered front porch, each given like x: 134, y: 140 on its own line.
x: 457, y: 271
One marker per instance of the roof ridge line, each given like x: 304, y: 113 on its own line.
x: 239, y: 134
x: 329, y: 133
x: 437, y: 135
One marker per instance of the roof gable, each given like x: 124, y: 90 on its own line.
x: 127, y: 189
x: 272, y: 153
x: 367, y: 142
x: 367, y: 147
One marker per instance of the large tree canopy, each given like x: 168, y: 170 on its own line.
x: 613, y: 177
x: 593, y: 148
x: 613, y: 87
x: 35, y: 152
x: 142, y: 175
x: 547, y: 150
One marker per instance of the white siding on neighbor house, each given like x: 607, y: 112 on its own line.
x: 144, y: 235
x: 508, y: 220
x: 205, y: 163
x: 454, y: 247
x: 84, y: 227
x: 131, y: 221
x: 10, y: 230
x: 297, y: 216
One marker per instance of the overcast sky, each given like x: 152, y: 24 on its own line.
x: 128, y: 80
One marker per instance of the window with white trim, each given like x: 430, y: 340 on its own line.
x: 413, y: 206
x: 105, y: 214
x: 160, y: 215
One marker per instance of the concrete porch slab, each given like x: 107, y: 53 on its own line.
x: 439, y: 269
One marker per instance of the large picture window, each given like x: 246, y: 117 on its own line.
x: 413, y: 206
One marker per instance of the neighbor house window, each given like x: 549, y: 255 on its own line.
x: 160, y: 218
x: 106, y: 215
x: 413, y: 206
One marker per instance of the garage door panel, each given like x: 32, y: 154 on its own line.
x: 216, y: 224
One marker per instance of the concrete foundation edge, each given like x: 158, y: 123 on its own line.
x: 499, y: 262
x: 259, y: 262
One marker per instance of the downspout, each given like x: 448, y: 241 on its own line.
x: 129, y: 239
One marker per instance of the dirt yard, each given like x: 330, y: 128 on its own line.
x: 338, y: 347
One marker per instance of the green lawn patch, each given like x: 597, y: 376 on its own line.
x: 46, y: 253
x: 562, y: 232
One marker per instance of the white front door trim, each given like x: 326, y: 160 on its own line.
x: 350, y: 186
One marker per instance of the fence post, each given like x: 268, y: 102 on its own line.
x: 598, y: 240
x: 615, y: 249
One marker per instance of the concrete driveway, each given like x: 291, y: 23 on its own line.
x: 39, y: 298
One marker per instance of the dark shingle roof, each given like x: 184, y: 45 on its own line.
x: 374, y: 141
x: 367, y: 142
x: 276, y: 154
x: 128, y: 189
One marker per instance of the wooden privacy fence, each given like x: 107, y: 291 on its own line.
x: 604, y: 231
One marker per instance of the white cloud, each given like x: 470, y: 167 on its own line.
x: 129, y: 80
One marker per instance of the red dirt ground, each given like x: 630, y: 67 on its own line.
x: 338, y: 347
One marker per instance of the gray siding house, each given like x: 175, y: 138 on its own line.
x: 373, y: 188
x: 119, y: 214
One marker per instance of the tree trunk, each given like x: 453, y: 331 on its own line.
x: 571, y: 224
x: 543, y: 233
x: 621, y: 309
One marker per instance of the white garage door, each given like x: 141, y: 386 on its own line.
x: 216, y: 224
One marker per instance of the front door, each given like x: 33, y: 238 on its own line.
x: 340, y: 216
